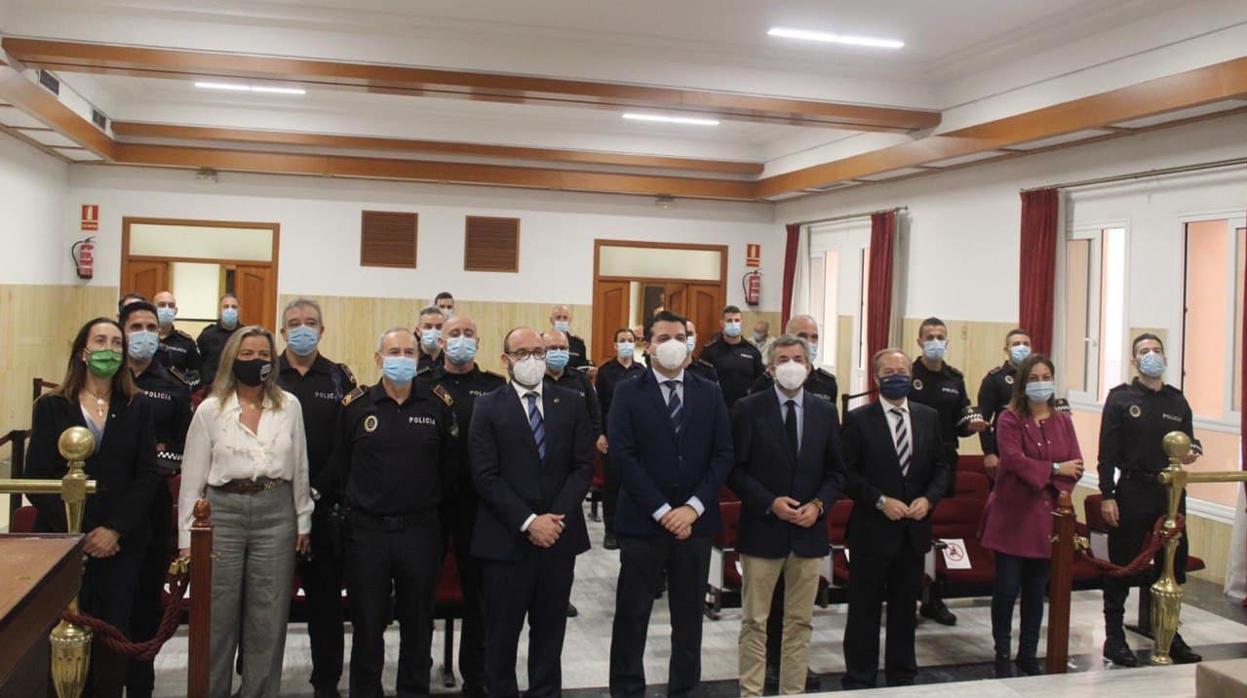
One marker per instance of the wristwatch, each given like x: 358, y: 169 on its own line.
x: 880, y: 502
x: 818, y: 503
x: 1056, y: 469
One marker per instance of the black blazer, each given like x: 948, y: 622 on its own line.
x: 514, y: 482
x: 655, y: 466
x: 767, y: 468
x: 123, y: 466
x: 873, y: 470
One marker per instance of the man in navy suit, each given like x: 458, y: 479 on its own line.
x: 898, y: 469
x: 670, y: 434
x: 531, y: 448
x: 788, y: 471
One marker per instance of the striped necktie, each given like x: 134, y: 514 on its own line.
x: 903, y: 451
x: 536, y: 423
x: 674, y: 406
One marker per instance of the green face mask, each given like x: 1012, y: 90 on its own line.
x: 104, y: 363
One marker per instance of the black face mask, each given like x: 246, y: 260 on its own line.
x: 252, y: 372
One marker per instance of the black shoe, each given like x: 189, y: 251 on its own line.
x: 938, y: 612
x: 1003, y: 667
x: 813, y: 684
x: 572, y: 611
x: 1029, y: 666
x: 1118, y: 652
x: 609, y: 542
x: 1181, y: 653
x: 772, y: 678
x: 331, y: 692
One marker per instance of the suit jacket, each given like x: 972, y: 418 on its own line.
x: 767, y: 468
x: 873, y: 470
x: 514, y: 482
x: 656, y: 466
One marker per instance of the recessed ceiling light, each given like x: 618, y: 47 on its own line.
x: 664, y: 119
x: 829, y: 38
x: 234, y: 87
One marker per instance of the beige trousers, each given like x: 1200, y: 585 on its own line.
x: 800, y: 587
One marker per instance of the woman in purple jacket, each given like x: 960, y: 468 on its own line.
x: 1039, y: 457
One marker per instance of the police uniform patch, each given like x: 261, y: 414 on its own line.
x: 917, y: 384
x: 352, y: 396
x: 445, y: 397
x: 1135, y: 411
x: 370, y: 423
x: 1009, y: 380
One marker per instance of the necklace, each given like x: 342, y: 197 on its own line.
x: 100, y: 402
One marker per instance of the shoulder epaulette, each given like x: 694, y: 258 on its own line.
x: 825, y: 372
x: 442, y: 394
x: 346, y: 371
x: 995, y: 370
x: 492, y: 374
x: 427, y: 368
x: 177, y: 331
x: 1121, y: 386
x: 177, y: 373
x: 703, y: 362
x: 952, y: 370
x: 352, y: 396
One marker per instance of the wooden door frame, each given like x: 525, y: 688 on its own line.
x: 273, y: 263
x: 599, y: 243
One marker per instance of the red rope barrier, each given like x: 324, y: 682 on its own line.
x: 1143, y: 560
x: 146, y: 651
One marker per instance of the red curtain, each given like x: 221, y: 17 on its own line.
x: 879, y: 285
x: 1037, y: 278
x: 790, y: 272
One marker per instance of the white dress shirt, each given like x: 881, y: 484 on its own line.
x: 693, y: 501
x: 541, y: 409
x: 799, y: 398
x: 892, y: 419
x: 219, y: 449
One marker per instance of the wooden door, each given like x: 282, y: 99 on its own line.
x: 676, y: 295
x: 610, y: 312
x: 145, y: 277
x: 705, y: 306
x: 255, y: 286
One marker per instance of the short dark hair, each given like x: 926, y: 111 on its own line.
x: 443, y: 295
x: 931, y: 322
x: 1019, y: 402
x: 1134, y: 346
x: 664, y: 316
x: 132, y: 308
x: 1014, y: 332
x: 625, y: 329
x: 729, y: 309
x: 132, y: 297
x: 228, y: 294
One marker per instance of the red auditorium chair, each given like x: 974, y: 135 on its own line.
x: 724, y: 556
x: 971, y: 484
x: 971, y: 464
x: 1097, y: 526
x: 958, y: 517
x: 835, y: 575
x: 448, y: 605
x: 23, y: 520
x: 597, y: 487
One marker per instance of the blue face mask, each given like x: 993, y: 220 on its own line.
x: 895, y: 386
x: 557, y: 359
x: 562, y: 325
x: 460, y: 350
x: 142, y: 344
x: 166, y: 316
x: 1040, y: 391
x: 1019, y: 353
x: 428, y: 338
x: 399, y: 370
x: 813, y: 353
x: 1152, y: 364
x: 692, y: 344
x: 933, y: 349
x: 625, y: 349
x: 731, y: 329
x: 229, y: 318
x: 302, y: 340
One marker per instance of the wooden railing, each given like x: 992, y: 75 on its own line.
x: 1060, y: 585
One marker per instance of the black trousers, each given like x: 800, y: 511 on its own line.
x: 874, y: 579
x: 536, y: 587
x: 108, y: 586
x: 1139, y: 502
x: 148, y: 609
x: 406, y: 561
x: 610, y: 497
x: 322, y: 584
x: 642, y: 564
x: 460, y: 520
x: 1027, y: 577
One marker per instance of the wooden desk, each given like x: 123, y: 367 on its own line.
x: 39, y: 576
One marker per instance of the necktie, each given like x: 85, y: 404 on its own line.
x: 674, y: 406
x: 790, y: 426
x: 903, y: 453
x: 536, y: 424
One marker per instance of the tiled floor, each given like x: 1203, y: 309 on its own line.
x: 1210, y: 623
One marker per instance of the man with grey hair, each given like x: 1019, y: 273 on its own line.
x: 429, y: 332
x: 320, y: 385
x: 561, y: 321
x: 390, y: 452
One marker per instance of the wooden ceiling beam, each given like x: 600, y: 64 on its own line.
x: 482, y: 86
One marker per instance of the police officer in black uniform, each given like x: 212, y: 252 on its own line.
x: 429, y: 332
x: 391, y: 451
x: 996, y: 391
x: 561, y: 320
x: 737, y: 362
x: 320, y: 385
x: 177, y: 349
x: 1132, y: 428
x: 213, y: 338
x: 170, y: 400
x: 464, y: 380
x: 625, y: 365
x: 445, y: 302
x: 942, y: 387
x: 698, y: 366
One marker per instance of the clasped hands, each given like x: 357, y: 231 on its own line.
x: 794, y: 512
x: 896, y: 510
x: 679, y: 521
x: 545, y: 530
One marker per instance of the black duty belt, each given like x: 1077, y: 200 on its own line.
x: 396, y: 522
x: 1141, y: 476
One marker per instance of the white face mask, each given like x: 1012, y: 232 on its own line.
x: 671, y: 354
x: 791, y: 375
x: 529, y: 372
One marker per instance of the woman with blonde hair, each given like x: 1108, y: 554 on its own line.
x: 246, y: 453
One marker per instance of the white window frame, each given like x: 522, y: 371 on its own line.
x: 849, y: 238
x: 1090, y: 399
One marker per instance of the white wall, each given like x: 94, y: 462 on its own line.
x: 32, y: 215
x: 320, y: 221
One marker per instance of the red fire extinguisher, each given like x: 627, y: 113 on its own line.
x: 83, y: 254
x: 752, y: 284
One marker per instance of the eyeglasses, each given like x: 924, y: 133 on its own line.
x: 524, y: 354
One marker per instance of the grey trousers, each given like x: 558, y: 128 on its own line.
x: 253, y: 540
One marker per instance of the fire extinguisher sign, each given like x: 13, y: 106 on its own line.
x: 753, y: 255
x: 90, y: 217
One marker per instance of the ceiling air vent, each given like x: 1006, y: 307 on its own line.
x: 98, y: 118
x: 49, y: 81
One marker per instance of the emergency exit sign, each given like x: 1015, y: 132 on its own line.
x: 753, y: 255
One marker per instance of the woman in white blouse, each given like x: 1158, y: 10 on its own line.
x: 247, y: 454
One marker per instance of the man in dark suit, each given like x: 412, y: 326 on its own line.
x: 531, y: 449
x: 669, y: 431
x: 898, y: 469
x: 788, y: 470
